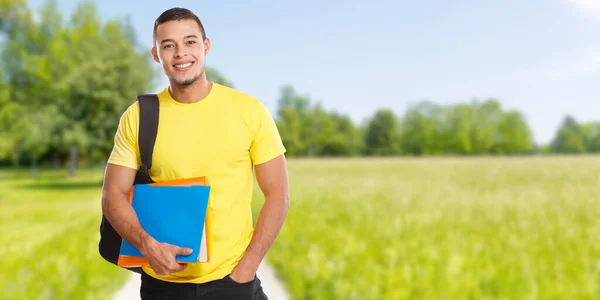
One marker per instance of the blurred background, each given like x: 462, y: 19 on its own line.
x: 437, y: 150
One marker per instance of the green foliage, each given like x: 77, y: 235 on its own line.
x: 478, y: 128
x: 6, y: 113
x: 441, y: 228
x: 36, y: 128
x: 569, y: 138
x: 294, y: 122
x: 574, y: 137
x: 307, y: 129
x: 426, y: 128
x: 70, y: 81
x: 591, y: 136
x: 14, y: 15
x: 514, y: 134
x: 382, y: 135
x: 337, y: 135
x: 423, y: 129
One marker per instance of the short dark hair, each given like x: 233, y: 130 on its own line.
x: 177, y: 14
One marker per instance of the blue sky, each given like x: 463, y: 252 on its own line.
x: 541, y: 57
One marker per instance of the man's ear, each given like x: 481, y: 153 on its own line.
x: 155, y: 55
x: 206, y: 46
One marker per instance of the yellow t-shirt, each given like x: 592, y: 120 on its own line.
x: 221, y: 137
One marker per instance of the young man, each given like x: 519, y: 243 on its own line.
x: 205, y: 129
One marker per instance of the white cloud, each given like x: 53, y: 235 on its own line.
x: 589, y: 8
x: 587, y: 63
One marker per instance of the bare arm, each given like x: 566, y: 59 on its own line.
x: 117, y: 209
x: 121, y: 215
x: 272, y: 179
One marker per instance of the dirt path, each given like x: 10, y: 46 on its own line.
x: 270, y: 283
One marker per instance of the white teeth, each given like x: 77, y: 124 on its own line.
x: 183, y: 65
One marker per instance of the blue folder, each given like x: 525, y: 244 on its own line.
x: 170, y: 214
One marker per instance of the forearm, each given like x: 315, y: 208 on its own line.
x: 270, y: 221
x: 124, y: 220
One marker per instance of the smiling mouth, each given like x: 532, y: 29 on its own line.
x: 183, y: 66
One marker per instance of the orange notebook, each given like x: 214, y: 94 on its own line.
x: 205, y: 249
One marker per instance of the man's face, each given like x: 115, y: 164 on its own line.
x: 180, y: 50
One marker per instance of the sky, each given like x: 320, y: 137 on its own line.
x: 541, y: 57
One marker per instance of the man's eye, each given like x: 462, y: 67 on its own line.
x: 168, y: 46
x: 192, y: 42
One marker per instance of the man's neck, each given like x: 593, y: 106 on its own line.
x: 193, y: 93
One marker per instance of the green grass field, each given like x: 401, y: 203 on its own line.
x: 49, y: 231
x: 482, y: 228
x: 443, y: 228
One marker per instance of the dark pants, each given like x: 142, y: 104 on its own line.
x: 225, y: 288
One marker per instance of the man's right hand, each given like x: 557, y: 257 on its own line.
x: 161, y: 257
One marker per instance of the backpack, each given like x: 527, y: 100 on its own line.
x: 110, y: 241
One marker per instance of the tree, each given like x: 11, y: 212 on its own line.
x: 591, y: 136
x: 335, y: 134
x: 6, y: 120
x: 347, y: 141
x: 422, y: 129
x: 307, y: 129
x: 514, y: 134
x: 36, y: 129
x: 81, y: 72
x: 16, y: 27
x: 458, y: 131
x: 484, y: 130
x: 99, y: 87
x: 290, y: 128
x: 382, y: 136
x: 296, y: 124
x: 569, y: 138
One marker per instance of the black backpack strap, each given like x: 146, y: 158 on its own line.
x: 148, y: 128
x: 110, y: 241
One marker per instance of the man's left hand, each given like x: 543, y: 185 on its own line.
x: 241, y: 275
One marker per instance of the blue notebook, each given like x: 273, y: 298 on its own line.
x: 171, y: 214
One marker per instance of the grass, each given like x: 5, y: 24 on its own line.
x: 447, y: 228
x: 49, y: 234
x: 443, y: 228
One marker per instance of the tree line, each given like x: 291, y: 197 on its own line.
x: 65, y: 81
x: 476, y: 127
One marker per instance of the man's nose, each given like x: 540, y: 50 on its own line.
x: 180, y: 52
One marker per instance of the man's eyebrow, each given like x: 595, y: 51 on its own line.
x: 185, y: 37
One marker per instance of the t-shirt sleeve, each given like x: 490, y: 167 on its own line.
x: 125, y: 150
x: 266, y: 143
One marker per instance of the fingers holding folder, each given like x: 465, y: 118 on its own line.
x: 162, y: 258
